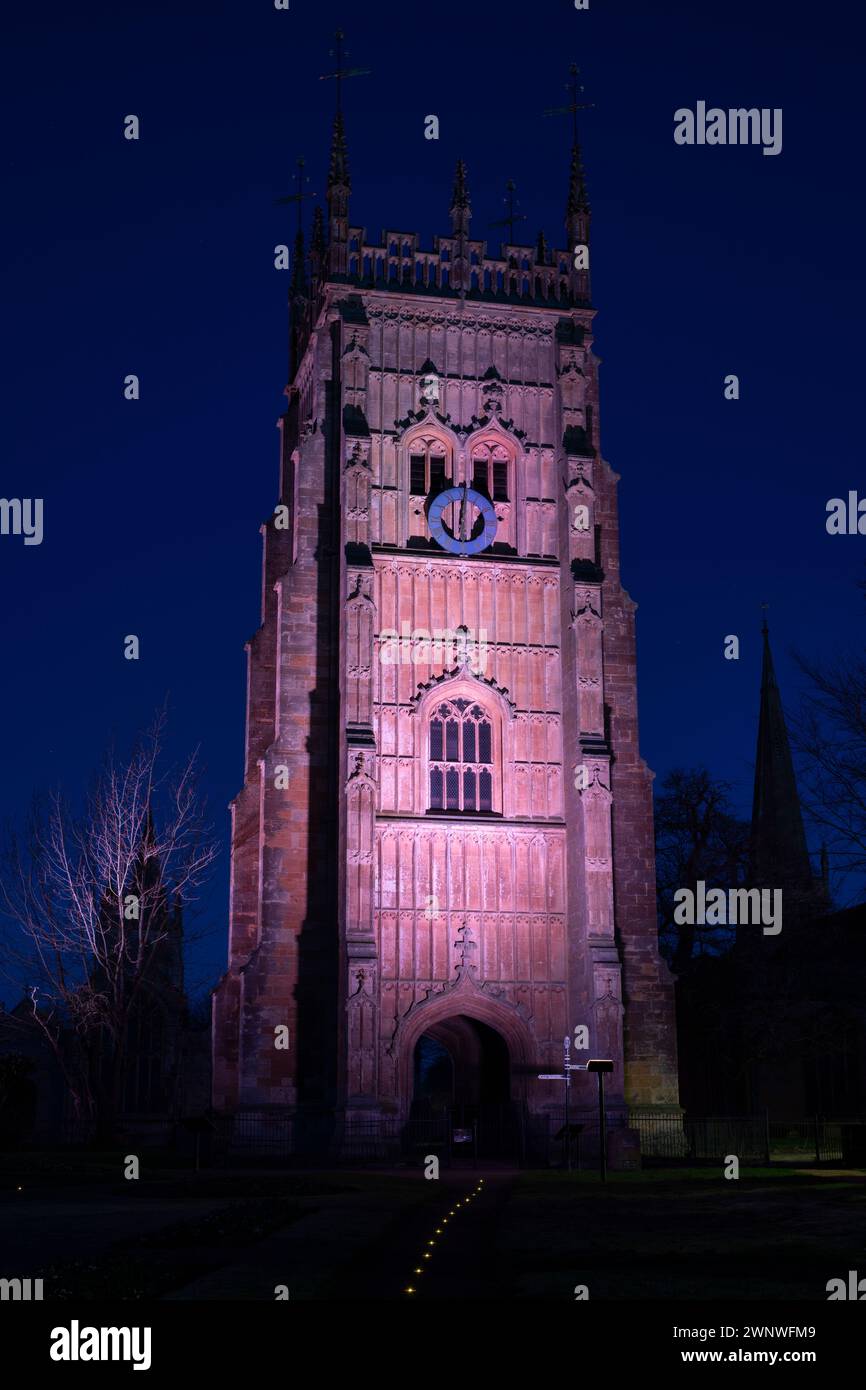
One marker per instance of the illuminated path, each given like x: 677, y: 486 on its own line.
x: 463, y: 1261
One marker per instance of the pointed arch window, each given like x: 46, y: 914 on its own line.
x: 490, y: 471
x: 429, y: 467
x: 461, y: 757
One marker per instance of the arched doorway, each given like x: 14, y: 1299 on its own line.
x: 462, y: 1081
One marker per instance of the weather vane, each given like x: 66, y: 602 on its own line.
x: 513, y: 216
x: 298, y: 197
x: 340, y: 54
x: 575, y: 88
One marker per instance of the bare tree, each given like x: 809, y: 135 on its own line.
x: 830, y: 736
x: 88, y: 899
x: 697, y: 838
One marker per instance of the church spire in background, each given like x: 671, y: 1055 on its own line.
x: 779, y: 855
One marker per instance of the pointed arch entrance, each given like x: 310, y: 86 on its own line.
x: 463, y: 1059
x: 463, y: 1082
x: 460, y: 1061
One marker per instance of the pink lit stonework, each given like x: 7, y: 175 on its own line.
x: 398, y: 879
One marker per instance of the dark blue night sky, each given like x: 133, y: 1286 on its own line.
x: 156, y: 258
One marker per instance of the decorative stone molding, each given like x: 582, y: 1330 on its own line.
x: 465, y: 987
x: 362, y: 764
x: 463, y: 672
x: 362, y: 592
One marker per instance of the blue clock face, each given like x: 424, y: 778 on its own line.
x: 475, y: 521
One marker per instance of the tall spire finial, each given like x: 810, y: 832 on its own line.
x: 578, y: 198
x: 339, y: 184
x: 577, y: 208
x: 764, y: 628
x: 338, y: 169
x: 460, y: 193
x: 461, y: 215
x: 318, y: 242
x: 298, y: 285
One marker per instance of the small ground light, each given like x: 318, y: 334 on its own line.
x: 419, y: 1270
x: 409, y: 1290
x: 426, y: 1254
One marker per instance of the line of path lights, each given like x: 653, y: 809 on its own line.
x: 427, y: 1252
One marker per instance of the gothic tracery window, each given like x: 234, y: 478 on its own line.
x: 461, y: 757
x: 490, y: 471
x: 428, y: 467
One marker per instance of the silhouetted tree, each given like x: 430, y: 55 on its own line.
x: 830, y: 737
x: 88, y: 901
x: 697, y: 838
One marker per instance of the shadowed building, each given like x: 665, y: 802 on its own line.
x: 777, y: 1024
x: 442, y: 853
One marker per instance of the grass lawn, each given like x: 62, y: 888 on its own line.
x: 773, y: 1233
x: 235, y: 1235
x: 74, y: 1221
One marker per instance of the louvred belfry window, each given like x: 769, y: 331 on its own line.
x: 428, y: 468
x: 461, y: 757
x: 490, y: 471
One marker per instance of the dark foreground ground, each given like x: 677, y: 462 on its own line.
x: 362, y: 1235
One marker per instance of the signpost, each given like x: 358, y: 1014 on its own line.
x: 565, y: 1075
x: 599, y: 1065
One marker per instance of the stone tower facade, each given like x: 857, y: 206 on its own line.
x: 445, y: 820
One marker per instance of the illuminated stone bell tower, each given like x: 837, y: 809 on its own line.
x: 445, y: 828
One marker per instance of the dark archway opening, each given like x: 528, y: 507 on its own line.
x: 434, y: 1073
x: 462, y: 1080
